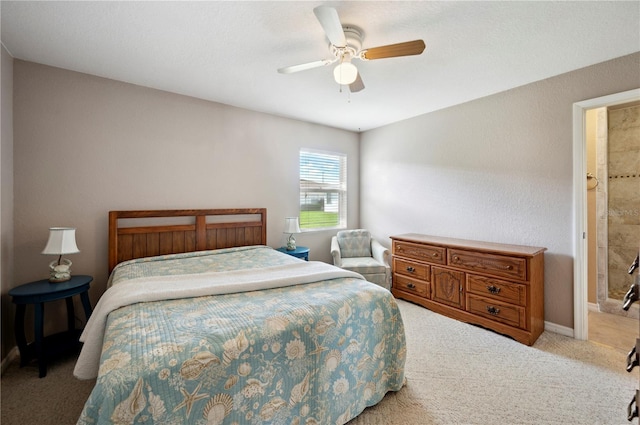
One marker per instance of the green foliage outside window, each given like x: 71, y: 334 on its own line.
x: 316, y: 219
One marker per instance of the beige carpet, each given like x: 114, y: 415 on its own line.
x: 456, y: 374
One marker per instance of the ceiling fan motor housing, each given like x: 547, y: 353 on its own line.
x: 353, y: 35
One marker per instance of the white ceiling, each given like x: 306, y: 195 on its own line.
x: 229, y: 51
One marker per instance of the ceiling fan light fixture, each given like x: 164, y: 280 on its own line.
x: 345, y: 73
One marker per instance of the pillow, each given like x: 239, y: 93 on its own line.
x: 354, y: 243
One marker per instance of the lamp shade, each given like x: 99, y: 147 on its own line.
x: 62, y: 240
x: 345, y: 73
x: 291, y: 225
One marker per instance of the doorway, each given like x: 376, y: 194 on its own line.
x: 613, y: 140
x: 580, y: 287
x: 613, y: 229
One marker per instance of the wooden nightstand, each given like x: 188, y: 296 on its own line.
x: 38, y: 293
x: 301, y: 252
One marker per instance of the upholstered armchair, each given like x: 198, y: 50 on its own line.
x: 357, y: 251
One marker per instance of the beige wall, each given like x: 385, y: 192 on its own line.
x: 85, y: 145
x: 6, y: 199
x: 496, y: 169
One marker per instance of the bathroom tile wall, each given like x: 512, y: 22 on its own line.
x: 623, y: 210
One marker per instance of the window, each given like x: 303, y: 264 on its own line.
x: 323, y: 190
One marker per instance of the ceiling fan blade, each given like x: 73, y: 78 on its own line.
x: 407, y: 48
x: 304, y: 66
x: 330, y: 22
x: 357, y: 85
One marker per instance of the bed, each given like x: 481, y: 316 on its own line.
x: 202, y: 323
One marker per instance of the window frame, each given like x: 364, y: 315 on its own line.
x: 338, y: 188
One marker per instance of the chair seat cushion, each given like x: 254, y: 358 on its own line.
x: 363, y: 265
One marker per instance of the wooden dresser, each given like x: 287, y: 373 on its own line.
x: 497, y: 286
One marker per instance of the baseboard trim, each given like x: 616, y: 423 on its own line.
x: 559, y: 329
x: 593, y: 307
x: 13, y: 354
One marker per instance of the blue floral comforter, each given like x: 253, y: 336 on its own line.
x: 312, y: 353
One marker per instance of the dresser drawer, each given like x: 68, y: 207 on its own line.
x: 407, y: 268
x: 408, y: 284
x: 509, y: 292
x: 429, y: 253
x: 500, y: 312
x: 498, y: 265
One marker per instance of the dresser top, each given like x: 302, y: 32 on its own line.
x: 493, y: 247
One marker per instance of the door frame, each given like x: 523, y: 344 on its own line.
x: 580, y: 264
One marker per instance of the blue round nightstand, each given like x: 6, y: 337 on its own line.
x: 301, y: 252
x: 38, y: 293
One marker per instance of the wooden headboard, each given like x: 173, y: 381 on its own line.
x: 136, y: 234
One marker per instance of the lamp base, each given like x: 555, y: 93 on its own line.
x: 291, y: 243
x: 60, y: 271
x: 53, y: 279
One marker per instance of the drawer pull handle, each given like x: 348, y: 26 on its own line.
x: 456, y: 258
x: 493, y: 310
x: 493, y: 289
x: 434, y: 255
x: 630, y: 297
x: 509, y: 267
x: 633, y: 359
x: 411, y: 286
x: 632, y: 408
x: 411, y: 269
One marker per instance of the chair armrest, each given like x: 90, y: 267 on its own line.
x: 379, y: 252
x: 335, y: 252
x: 382, y: 254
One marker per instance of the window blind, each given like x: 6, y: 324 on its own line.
x: 323, y: 190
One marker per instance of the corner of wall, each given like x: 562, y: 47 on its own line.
x: 6, y: 198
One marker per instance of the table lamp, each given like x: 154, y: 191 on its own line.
x: 62, y: 240
x: 291, y: 226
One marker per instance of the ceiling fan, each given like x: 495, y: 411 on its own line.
x: 345, y: 43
